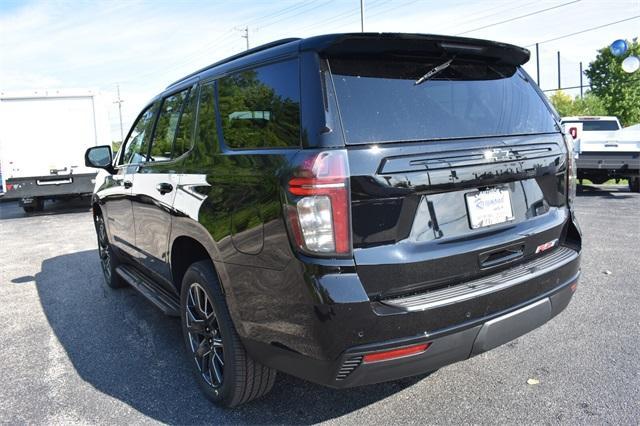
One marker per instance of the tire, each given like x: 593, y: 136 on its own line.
x: 634, y: 184
x: 37, y: 206
x: 108, y: 259
x: 210, y: 337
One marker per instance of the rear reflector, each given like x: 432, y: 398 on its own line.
x: 574, y: 286
x: 546, y: 246
x: 396, y: 353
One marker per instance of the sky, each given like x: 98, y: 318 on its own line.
x: 143, y: 46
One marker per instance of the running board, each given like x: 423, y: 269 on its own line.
x: 165, y: 301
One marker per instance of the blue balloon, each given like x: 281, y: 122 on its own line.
x: 619, y: 47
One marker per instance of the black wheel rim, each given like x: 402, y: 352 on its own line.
x: 205, y: 340
x: 103, y: 249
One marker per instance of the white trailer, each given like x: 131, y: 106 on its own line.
x: 43, y: 138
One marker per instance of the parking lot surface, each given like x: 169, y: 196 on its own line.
x: 74, y: 351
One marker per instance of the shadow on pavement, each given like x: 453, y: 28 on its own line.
x: 11, y: 209
x: 618, y: 191
x: 124, y: 347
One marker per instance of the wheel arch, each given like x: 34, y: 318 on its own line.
x: 185, y: 251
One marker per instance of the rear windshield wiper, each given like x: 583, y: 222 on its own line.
x: 434, y: 71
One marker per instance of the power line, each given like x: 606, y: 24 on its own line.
x: 489, y: 15
x: 345, y: 15
x: 520, y: 17
x: 295, y: 14
x: 585, y: 30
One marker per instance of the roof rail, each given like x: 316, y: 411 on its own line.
x: 236, y: 56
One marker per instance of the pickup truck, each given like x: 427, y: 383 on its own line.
x: 604, y: 150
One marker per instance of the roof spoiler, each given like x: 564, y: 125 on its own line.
x: 415, y: 45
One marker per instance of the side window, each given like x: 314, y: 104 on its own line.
x: 260, y: 108
x: 165, y: 132
x: 138, y: 142
x: 184, y: 134
x: 207, y: 132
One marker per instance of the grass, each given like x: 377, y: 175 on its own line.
x: 609, y: 182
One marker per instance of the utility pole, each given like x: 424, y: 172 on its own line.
x: 559, y: 85
x: 361, y: 16
x: 119, y: 102
x: 580, y: 79
x: 538, y: 64
x: 246, y: 35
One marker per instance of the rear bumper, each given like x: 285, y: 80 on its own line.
x: 455, y: 331
x: 459, y: 344
x: 622, y: 163
x: 49, y: 186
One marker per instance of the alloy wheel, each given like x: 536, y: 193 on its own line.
x: 204, y: 336
x: 103, y: 249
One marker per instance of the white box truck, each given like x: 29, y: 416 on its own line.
x: 43, y: 138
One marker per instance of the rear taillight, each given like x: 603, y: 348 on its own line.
x: 571, y: 168
x: 318, y: 212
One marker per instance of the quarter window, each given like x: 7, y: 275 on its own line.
x: 260, y: 108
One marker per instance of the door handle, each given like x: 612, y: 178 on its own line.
x: 127, y: 184
x: 164, y: 187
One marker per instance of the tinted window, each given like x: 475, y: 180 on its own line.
x: 260, y: 108
x: 596, y: 125
x: 207, y: 128
x: 137, y: 144
x: 184, y: 134
x: 165, y: 132
x: 379, y: 100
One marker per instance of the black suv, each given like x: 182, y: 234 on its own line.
x: 348, y: 209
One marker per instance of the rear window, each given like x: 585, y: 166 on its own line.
x: 596, y: 125
x: 380, y: 102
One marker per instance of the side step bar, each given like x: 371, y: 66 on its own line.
x: 165, y: 301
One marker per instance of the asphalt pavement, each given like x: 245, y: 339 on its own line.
x: 74, y: 351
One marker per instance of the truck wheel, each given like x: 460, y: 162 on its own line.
x: 36, y: 206
x: 108, y: 258
x: 634, y: 184
x: 223, y: 369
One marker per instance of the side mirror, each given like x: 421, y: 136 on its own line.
x: 99, y: 157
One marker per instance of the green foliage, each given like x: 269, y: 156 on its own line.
x: 567, y: 106
x: 271, y: 120
x: 115, y: 146
x: 619, y: 91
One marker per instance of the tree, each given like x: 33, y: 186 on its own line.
x: 566, y: 106
x: 618, y: 90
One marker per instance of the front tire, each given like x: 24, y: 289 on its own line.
x: 108, y: 258
x: 223, y: 369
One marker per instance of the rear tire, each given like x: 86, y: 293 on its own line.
x: 223, y: 369
x: 634, y: 184
x: 36, y: 206
x: 108, y: 259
